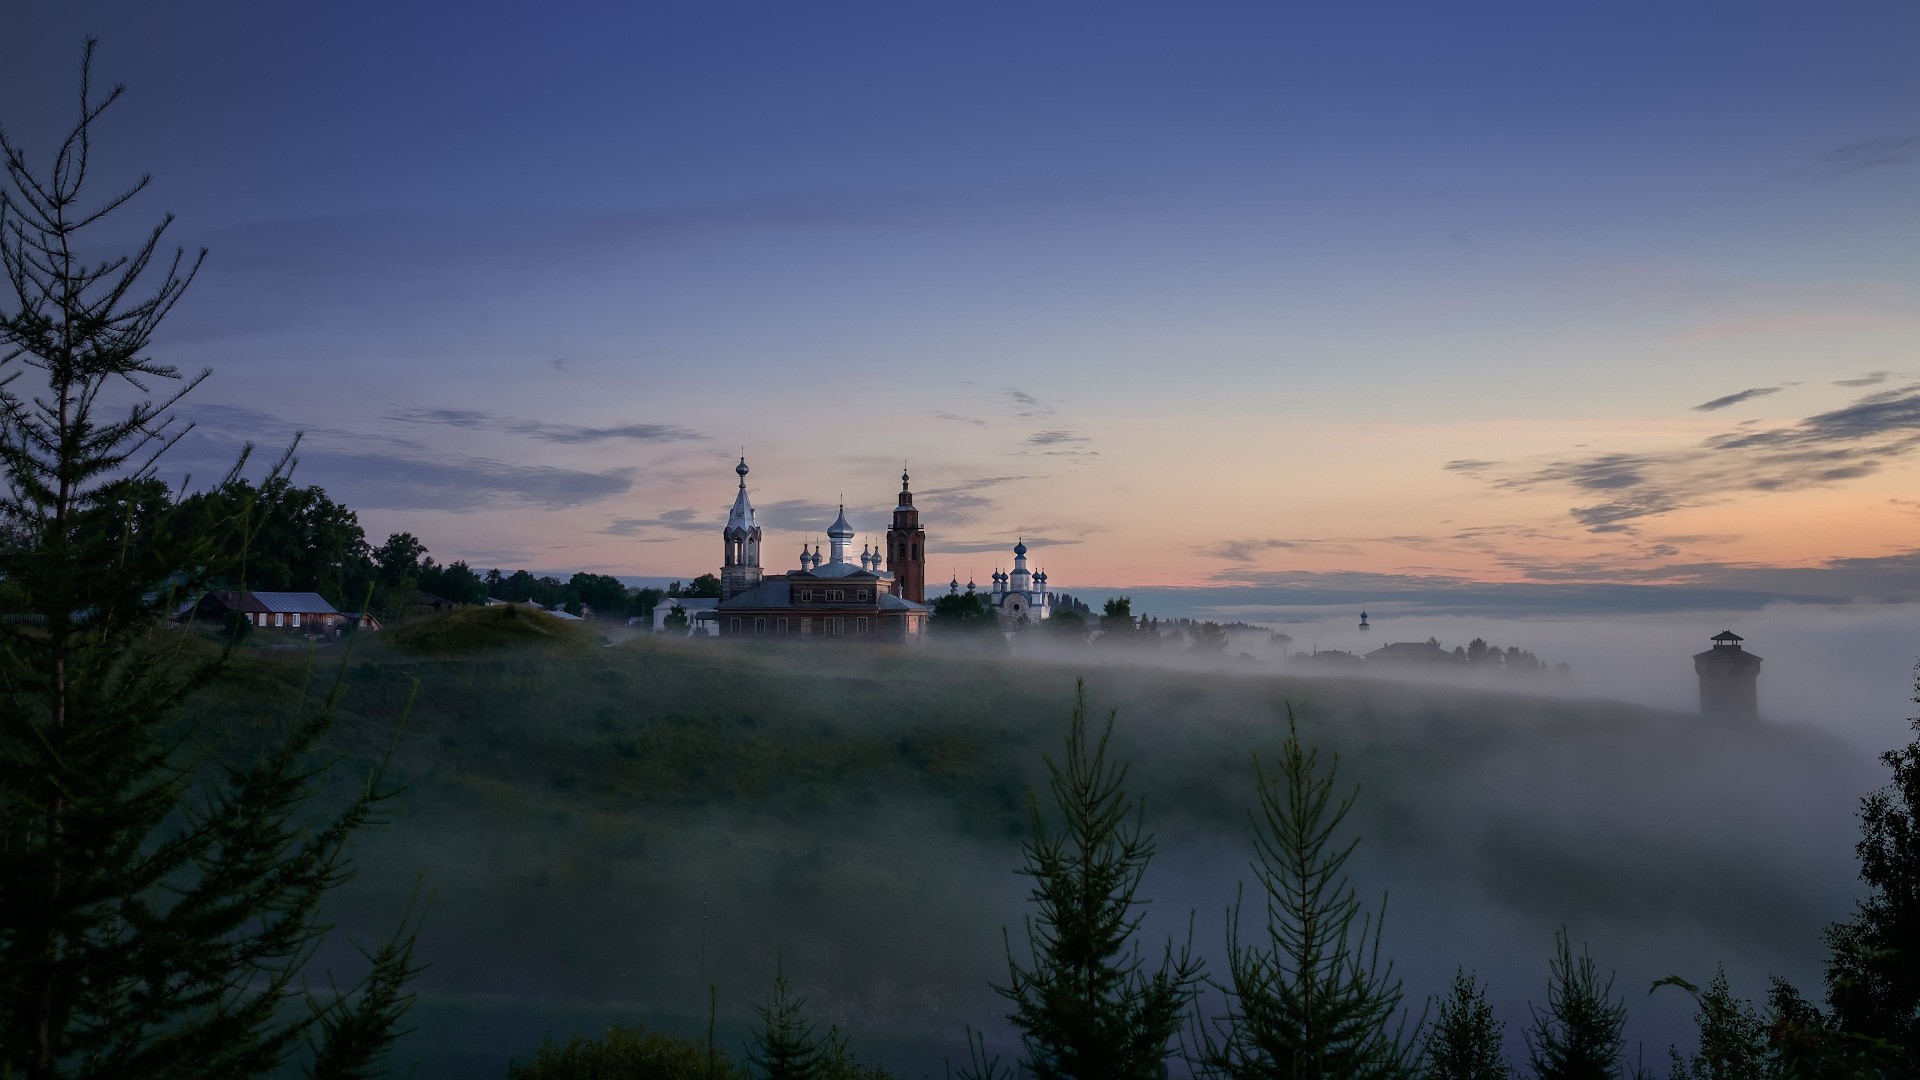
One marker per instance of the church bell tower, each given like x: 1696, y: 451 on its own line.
x: 907, y: 548
x: 741, y: 570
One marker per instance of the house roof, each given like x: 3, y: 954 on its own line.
x: 1410, y: 650
x: 768, y: 593
x: 291, y: 603
x: 690, y: 603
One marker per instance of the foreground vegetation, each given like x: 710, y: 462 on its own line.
x: 652, y: 781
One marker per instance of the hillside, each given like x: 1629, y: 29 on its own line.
x: 607, y: 830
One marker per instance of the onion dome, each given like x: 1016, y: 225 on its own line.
x: 1021, y: 547
x: 840, y: 530
x: 970, y: 585
x: 740, y: 518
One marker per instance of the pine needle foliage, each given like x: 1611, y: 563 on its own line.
x: 1085, y: 1003
x: 1873, y: 970
x: 1578, y: 1035
x: 1464, y: 1042
x: 785, y: 1045
x: 159, y: 902
x: 1733, y: 1037
x: 1313, y: 1001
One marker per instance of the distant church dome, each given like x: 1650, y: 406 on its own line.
x: 1020, y: 548
x: 840, y: 530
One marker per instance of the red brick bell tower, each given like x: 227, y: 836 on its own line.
x: 907, y: 549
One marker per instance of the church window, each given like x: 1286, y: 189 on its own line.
x: 735, y: 628
x: 780, y: 627
x: 806, y: 594
x: 860, y: 626
x: 759, y: 626
x: 916, y: 551
x: 863, y: 594
x: 806, y: 627
x: 834, y: 626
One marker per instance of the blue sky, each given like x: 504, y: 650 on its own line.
x: 1199, y: 295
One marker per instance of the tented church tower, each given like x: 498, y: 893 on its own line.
x: 1729, y: 679
x: 907, y: 549
x: 741, y: 570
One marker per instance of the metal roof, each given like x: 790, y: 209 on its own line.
x: 840, y: 570
x: 770, y: 592
x: 292, y: 603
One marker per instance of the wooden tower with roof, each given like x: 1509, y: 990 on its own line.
x: 1729, y: 679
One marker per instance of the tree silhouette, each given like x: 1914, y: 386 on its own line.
x: 1313, y: 1002
x: 1086, y: 1005
x: 158, y: 907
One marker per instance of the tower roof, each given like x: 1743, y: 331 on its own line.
x: 1020, y: 548
x: 741, y: 516
x: 840, y: 530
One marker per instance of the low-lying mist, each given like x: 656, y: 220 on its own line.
x: 1844, y: 668
x: 606, y: 833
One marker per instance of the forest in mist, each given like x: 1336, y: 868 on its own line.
x: 604, y: 832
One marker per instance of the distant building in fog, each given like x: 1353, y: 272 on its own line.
x: 1729, y: 679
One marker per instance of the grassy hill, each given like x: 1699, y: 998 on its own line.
x: 607, y: 830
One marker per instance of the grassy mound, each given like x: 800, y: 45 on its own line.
x: 476, y: 629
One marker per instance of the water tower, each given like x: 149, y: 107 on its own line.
x: 1729, y: 678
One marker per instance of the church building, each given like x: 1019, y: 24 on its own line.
x: 880, y: 597
x: 1017, y: 596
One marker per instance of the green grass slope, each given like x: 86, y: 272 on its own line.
x: 606, y: 831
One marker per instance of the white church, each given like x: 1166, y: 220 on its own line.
x: 1017, y: 596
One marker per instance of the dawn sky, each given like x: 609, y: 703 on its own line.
x: 1188, y: 295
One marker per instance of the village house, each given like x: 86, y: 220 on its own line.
x: 303, y: 611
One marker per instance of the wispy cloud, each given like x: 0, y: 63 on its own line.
x: 1002, y: 544
x: 1736, y: 398
x: 1871, y: 378
x: 1874, y: 154
x: 1245, y: 550
x: 1820, y: 450
x: 393, y: 482
x: 943, y: 414
x: 568, y: 434
x: 1054, y: 438
x: 964, y: 501
x: 674, y: 520
x: 371, y: 471
x: 1026, y: 406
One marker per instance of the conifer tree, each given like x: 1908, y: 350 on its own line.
x: 1578, y: 1035
x: 1314, y: 1001
x: 1464, y: 1042
x: 158, y: 906
x: 1733, y: 1038
x: 1873, y: 973
x: 785, y: 1046
x: 1086, y: 1005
